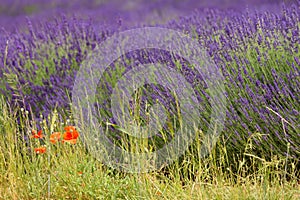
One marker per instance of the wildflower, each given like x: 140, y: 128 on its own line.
x: 40, y: 150
x: 72, y: 141
x: 37, y: 135
x: 72, y: 129
x: 70, y: 135
x: 55, y: 137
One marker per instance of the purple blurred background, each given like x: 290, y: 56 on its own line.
x: 129, y: 13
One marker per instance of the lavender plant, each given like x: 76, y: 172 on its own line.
x: 258, y: 53
x: 259, y: 56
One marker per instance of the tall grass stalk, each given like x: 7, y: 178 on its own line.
x: 76, y: 174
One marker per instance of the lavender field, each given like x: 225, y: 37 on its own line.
x: 47, y: 145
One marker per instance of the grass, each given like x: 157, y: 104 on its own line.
x: 69, y: 171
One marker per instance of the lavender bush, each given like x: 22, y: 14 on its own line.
x: 259, y: 56
x: 257, y: 51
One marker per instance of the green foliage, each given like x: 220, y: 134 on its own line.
x: 68, y: 171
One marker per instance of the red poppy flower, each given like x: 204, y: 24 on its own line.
x: 40, y: 150
x: 70, y: 135
x: 37, y: 135
x: 72, y: 132
x: 55, y: 137
x: 72, y: 141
